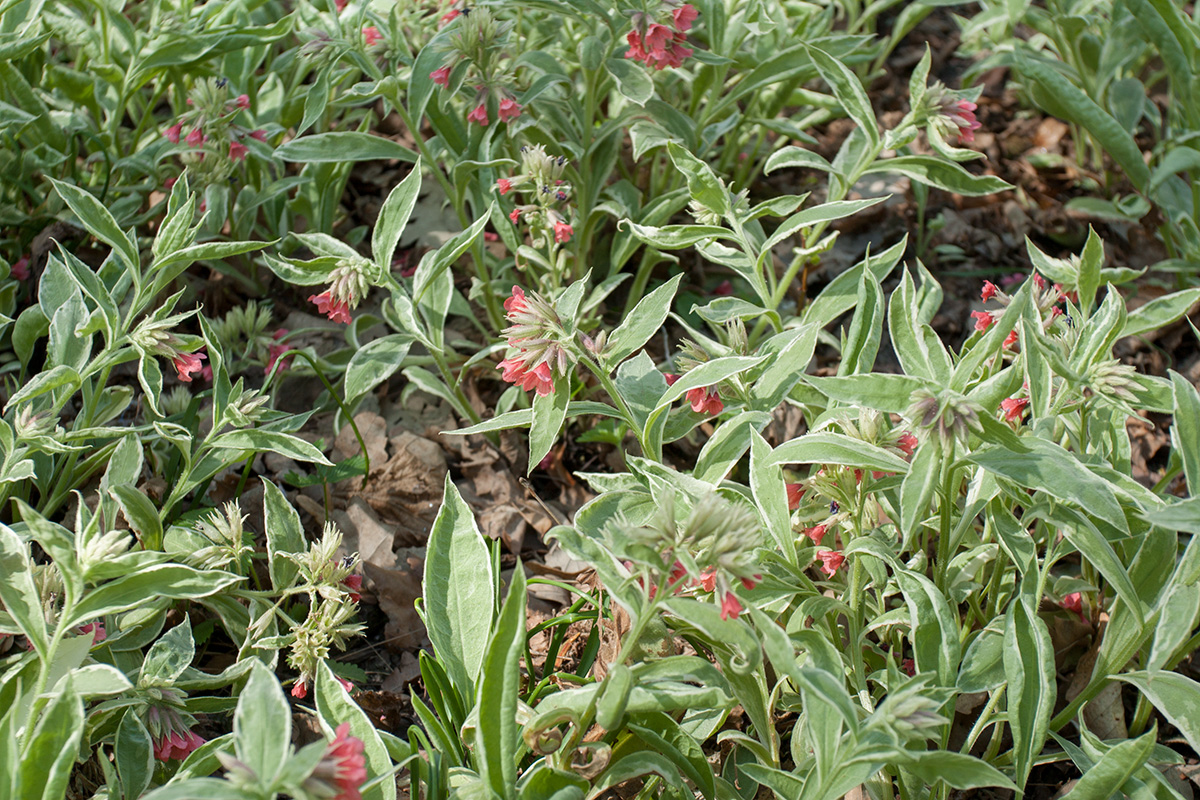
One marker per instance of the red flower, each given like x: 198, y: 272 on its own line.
x: 1014, y: 407
x: 705, y: 400
x: 661, y: 47
x: 678, y: 572
x: 336, y: 310
x: 176, y: 744
x: 258, y: 134
x: 831, y: 560
x: 516, y: 303
x: 243, y: 101
x: 371, y: 35
x: 816, y: 533
x: 274, y: 351
x: 238, y: 151
x: 989, y: 291
x: 962, y: 114
x: 515, y: 215
x: 353, y: 584
x: 187, y: 363
x: 983, y: 320
x: 441, y: 76
x: 300, y: 688
x: 509, y: 109
x: 909, y: 666
x: 724, y: 288
x: 708, y: 579
x: 562, y: 232
x: 343, y: 768
x: 20, y: 270
x: 670, y: 378
x: 97, y: 631
x: 340, y: 5
x: 449, y: 17
x: 684, y: 16
x: 479, y: 115
x: 173, y: 133
x: 730, y: 607
x: 750, y: 583
x: 504, y: 184
x: 907, y: 443
x: 538, y: 379
x: 1011, y: 339
x: 195, y: 138
x: 1074, y: 602
x: 794, y: 492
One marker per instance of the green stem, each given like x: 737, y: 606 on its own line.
x: 981, y: 722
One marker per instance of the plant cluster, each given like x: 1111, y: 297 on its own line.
x: 866, y: 604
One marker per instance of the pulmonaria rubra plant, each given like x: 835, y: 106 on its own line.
x: 348, y: 285
x: 215, y: 140
x: 546, y: 197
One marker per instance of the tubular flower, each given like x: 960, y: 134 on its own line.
x: 1011, y: 339
x: 515, y: 215
x: 831, y: 560
x: 684, y: 16
x: 258, y: 134
x: 441, y: 77
x: 479, y: 115
x: 907, y: 443
x: 989, y: 291
x: 300, y: 688
x: 1014, y: 408
x: 242, y: 101
x: 705, y: 400
x: 730, y: 607
x: 342, y: 770
x: 20, y: 270
x: 238, y: 151
x: 170, y: 728
x: 187, y: 363
x: 195, y: 138
x: 794, y: 492
x: 816, y: 533
x: 539, y: 379
x: 174, y: 132
x: 371, y: 35
x: 562, y: 231
x: 659, y: 48
x: 504, y: 185
x: 983, y: 320
x: 330, y: 306
x: 1074, y: 602
x: 274, y: 351
x: 509, y: 109
x: 962, y: 114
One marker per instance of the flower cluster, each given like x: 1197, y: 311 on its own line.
x: 541, y: 181
x: 657, y: 45
x: 154, y: 337
x: 348, y: 285
x: 342, y: 770
x: 170, y: 725
x: 1045, y: 298
x: 215, y: 143
x: 703, y: 399
x: 951, y: 113
x: 537, y: 334
x: 479, y: 42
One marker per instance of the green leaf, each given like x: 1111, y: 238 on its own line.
x: 703, y: 184
x: 885, y: 392
x: 918, y: 487
x: 459, y: 597
x: 1029, y: 667
x: 500, y: 691
x: 958, y: 770
x: 17, y: 590
x: 343, y: 146
x: 935, y: 636
x: 1185, y: 430
x: 393, y: 217
x: 48, y: 758
x: 99, y: 222
x: 262, y: 441
x: 336, y: 708
x: 642, y: 323
x: 164, y: 581
x: 62, y: 375
x: 1064, y: 100
x: 1114, y: 768
x: 838, y: 448
x: 1176, y: 696
x: 849, y: 91
x: 262, y: 724
x: 1160, y: 312
x: 941, y: 174
x: 134, y: 754
x: 169, y: 656
x: 284, y: 535
x: 797, y: 157
x: 636, y: 765
x: 549, y: 413
x: 374, y: 363
x: 141, y: 514
x: 632, y: 80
